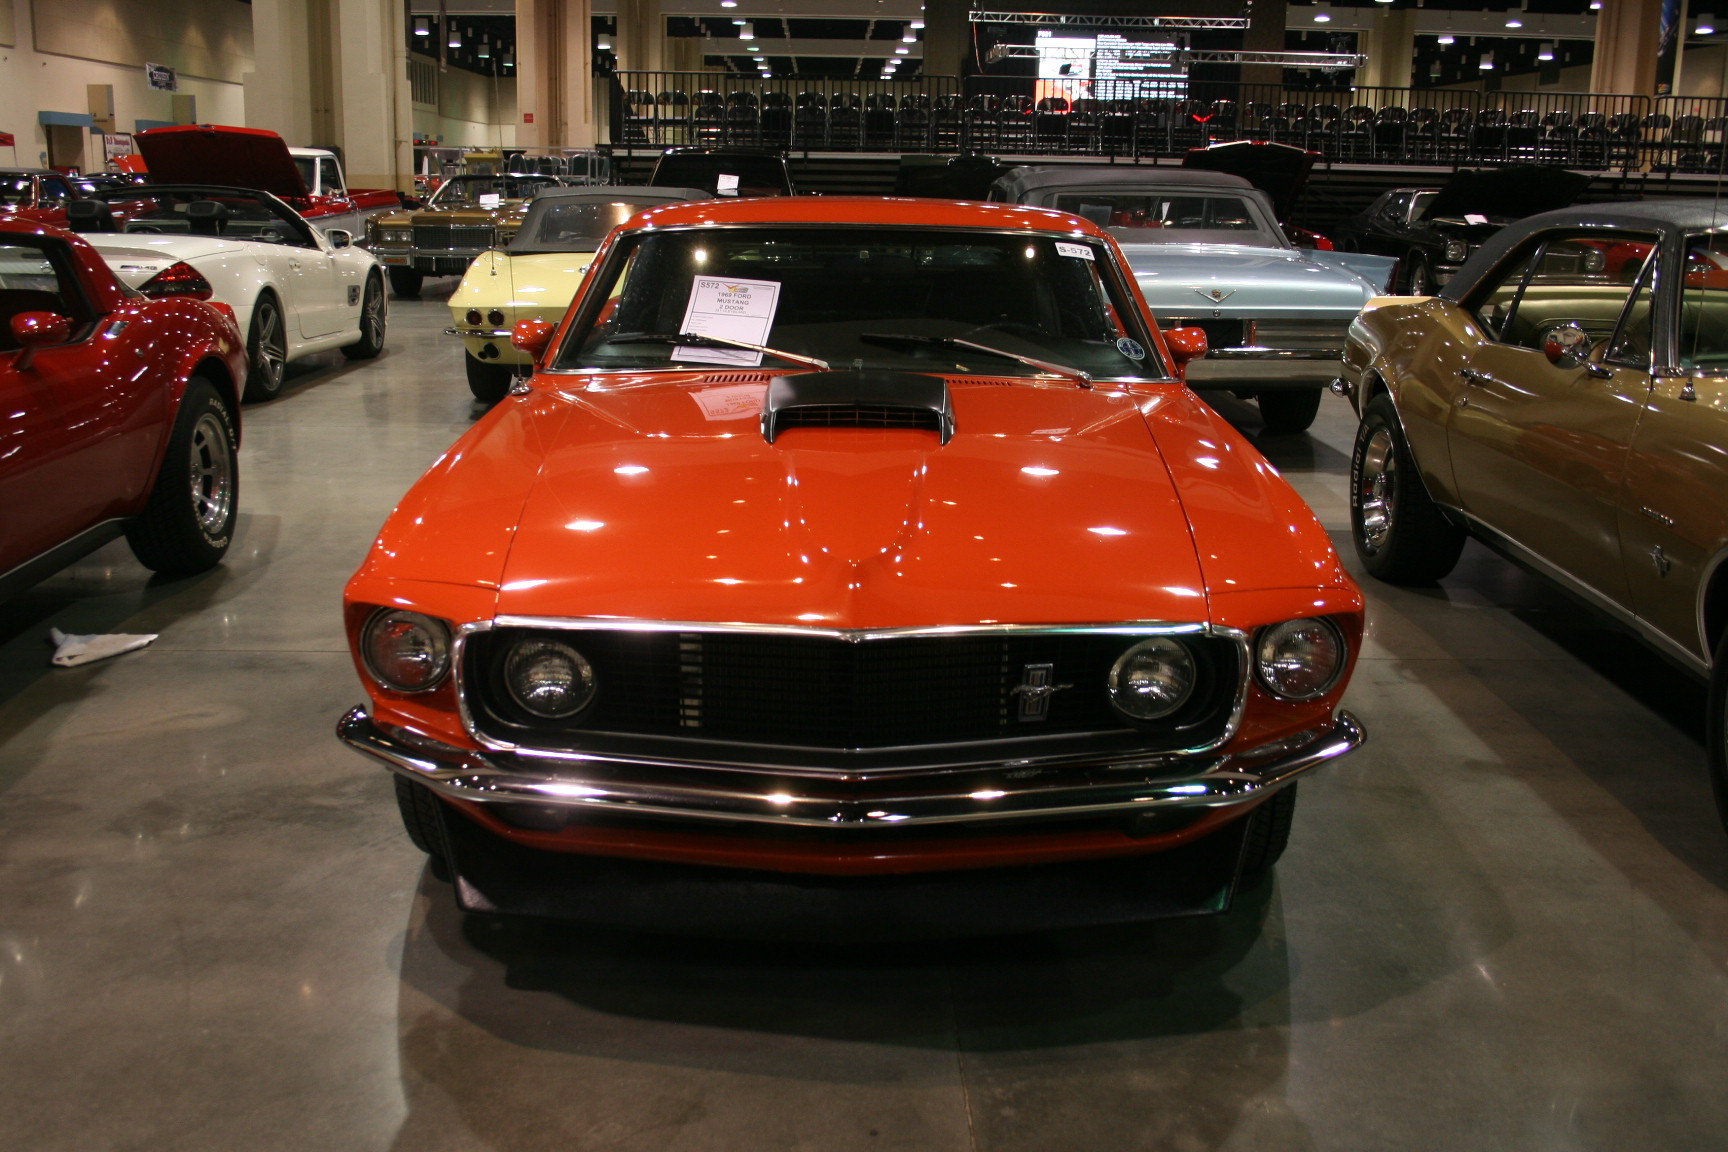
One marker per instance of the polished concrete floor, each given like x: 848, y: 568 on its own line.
x: 1503, y: 924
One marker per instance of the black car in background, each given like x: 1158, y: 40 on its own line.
x: 728, y: 171
x: 1433, y: 230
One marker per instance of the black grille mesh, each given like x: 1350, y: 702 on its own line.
x: 858, y: 416
x: 795, y: 691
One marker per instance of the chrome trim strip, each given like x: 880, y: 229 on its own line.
x: 487, y: 333
x: 1256, y: 352
x: 1663, y: 643
x: 458, y: 648
x: 482, y: 777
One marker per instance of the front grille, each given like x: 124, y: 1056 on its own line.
x: 825, y: 693
x: 447, y: 237
x: 858, y: 416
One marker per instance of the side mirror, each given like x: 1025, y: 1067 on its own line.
x: 1185, y: 344
x: 532, y: 336
x: 1566, y: 346
x: 35, y: 330
x: 340, y: 238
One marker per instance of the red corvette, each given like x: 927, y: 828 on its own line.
x: 119, y: 413
x: 850, y: 556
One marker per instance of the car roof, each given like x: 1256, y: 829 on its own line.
x: 1662, y: 216
x: 34, y: 172
x: 1033, y: 177
x: 896, y: 210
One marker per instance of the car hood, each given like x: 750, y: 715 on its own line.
x: 1049, y: 504
x: 1230, y: 281
x: 533, y: 284
x: 1279, y: 170
x: 1505, y: 194
x: 215, y: 154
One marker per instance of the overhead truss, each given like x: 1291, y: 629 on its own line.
x: 1059, y: 20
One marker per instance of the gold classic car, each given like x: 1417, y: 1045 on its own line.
x: 535, y: 276
x: 465, y: 217
x: 1565, y: 400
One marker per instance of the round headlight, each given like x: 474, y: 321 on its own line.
x: 1594, y: 260
x: 1456, y: 250
x: 1152, y: 679
x: 1300, y: 659
x: 549, y: 678
x: 405, y: 651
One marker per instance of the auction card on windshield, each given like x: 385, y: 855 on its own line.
x: 732, y: 310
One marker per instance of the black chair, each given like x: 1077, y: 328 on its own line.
x: 1050, y: 124
x: 879, y: 108
x: 1524, y: 135
x: 1559, y: 137
x: 912, y: 123
x: 1488, y: 135
x: 708, y: 119
x: 1592, y: 144
x: 810, y: 121
x: 206, y: 217
x: 672, y: 117
x: 845, y: 120
x: 743, y: 119
x: 776, y: 119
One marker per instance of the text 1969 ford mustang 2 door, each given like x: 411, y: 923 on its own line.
x: 848, y: 538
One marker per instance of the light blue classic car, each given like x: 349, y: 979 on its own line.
x: 1208, y: 252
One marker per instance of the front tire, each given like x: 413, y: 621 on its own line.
x: 423, y: 819
x: 1414, y: 277
x: 374, y: 317
x: 1399, y: 532
x: 188, y: 521
x: 406, y: 282
x: 489, y: 382
x: 1289, y: 411
x: 1268, y: 831
x: 266, y: 350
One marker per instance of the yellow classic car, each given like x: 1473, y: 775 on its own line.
x: 535, y: 276
x: 465, y: 217
x: 1564, y: 399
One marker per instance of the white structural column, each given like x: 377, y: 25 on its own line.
x: 335, y: 72
x: 1627, y: 32
x: 372, y: 109
x: 1390, y: 45
x: 279, y: 90
x: 641, y: 42
x: 555, y: 73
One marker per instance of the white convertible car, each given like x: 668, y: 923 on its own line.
x: 295, y: 289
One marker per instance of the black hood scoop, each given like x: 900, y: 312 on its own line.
x: 858, y: 398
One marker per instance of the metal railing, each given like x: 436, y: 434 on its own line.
x: 1403, y: 126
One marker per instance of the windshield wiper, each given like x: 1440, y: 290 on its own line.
x: 1084, y: 379
x: 699, y: 341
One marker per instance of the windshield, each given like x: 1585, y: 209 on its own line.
x: 16, y: 190
x: 467, y: 191
x: 575, y: 225
x: 1172, y: 218
x: 155, y: 208
x: 834, y: 292
x: 1419, y: 206
x: 724, y: 174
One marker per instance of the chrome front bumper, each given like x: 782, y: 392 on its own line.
x: 650, y: 788
x: 1255, y: 367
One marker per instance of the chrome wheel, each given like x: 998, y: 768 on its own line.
x: 372, y: 314
x: 212, y: 475
x: 267, y: 349
x: 1374, y: 489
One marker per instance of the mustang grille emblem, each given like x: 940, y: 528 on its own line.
x: 1216, y: 295
x: 1035, y: 690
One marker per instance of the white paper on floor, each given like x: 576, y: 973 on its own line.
x: 73, y: 650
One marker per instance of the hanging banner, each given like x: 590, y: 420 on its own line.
x: 161, y: 78
x: 1669, y: 37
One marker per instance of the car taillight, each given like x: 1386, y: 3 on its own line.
x: 178, y: 279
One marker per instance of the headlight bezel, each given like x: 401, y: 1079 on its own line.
x: 1267, y: 638
x: 440, y: 646
x: 1456, y: 251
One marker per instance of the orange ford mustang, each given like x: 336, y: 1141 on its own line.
x: 852, y: 556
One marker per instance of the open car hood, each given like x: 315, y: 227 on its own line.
x: 1509, y: 193
x: 1279, y: 170
x: 219, y: 154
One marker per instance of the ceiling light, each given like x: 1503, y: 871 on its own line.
x: 754, y: 48
x: 1447, y: 38
x: 901, y: 51
x: 422, y: 26
x: 485, y: 49
x: 603, y: 42
x: 910, y: 37
x: 728, y: 3
x: 1487, y: 62
x: 746, y: 30
x: 1706, y: 25
x: 1514, y: 22
x: 917, y: 23
x: 1546, y: 51
x: 455, y: 39
x: 1322, y: 13
x: 1595, y: 5
x: 508, y: 60
x: 1434, y: 70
